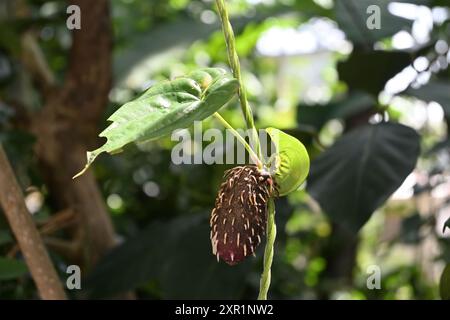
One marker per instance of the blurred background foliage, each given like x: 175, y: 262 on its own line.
x: 372, y: 107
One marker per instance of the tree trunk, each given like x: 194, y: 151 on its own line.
x: 68, y: 124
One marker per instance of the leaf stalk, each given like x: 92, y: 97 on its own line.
x: 247, y: 147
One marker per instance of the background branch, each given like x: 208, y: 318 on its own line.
x: 36, y: 62
x: 30, y: 242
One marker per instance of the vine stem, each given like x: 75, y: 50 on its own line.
x: 254, y: 139
x: 268, y: 251
x: 236, y: 69
x: 247, y: 147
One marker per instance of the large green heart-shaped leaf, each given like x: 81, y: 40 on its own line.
x: 362, y: 71
x: 361, y: 170
x: 165, y: 107
x: 291, y: 162
x: 353, y: 103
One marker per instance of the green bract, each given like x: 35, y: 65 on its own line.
x: 291, y: 162
x: 165, y: 107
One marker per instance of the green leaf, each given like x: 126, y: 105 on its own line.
x: 342, y: 108
x: 165, y: 107
x: 176, y: 257
x: 409, y: 231
x: 440, y: 3
x: 444, y: 284
x: 355, y: 103
x: 292, y: 161
x: 361, y: 170
x: 11, y: 268
x: 5, y: 237
x: 369, y: 71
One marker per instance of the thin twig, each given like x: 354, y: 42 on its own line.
x: 56, y: 222
x: 30, y: 242
x: 33, y: 57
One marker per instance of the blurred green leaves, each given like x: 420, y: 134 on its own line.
x: 177, y: 255
x: 444, y: 285
x: 361, y: 170
x: 11, y: 268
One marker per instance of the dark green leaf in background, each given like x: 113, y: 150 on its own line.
x: 176, y: 254
x: 409, y: 232
x: 440, y: 3
x: 342, y: 108
x: 11, y: 268
x: 5, y: 237
x: 369, y: 71
x: 435, y: 90
x: 361, y: 170
x: 444, y: 284
x: 351, y: 15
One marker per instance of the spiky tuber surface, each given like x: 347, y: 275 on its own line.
x: 238, y: 220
